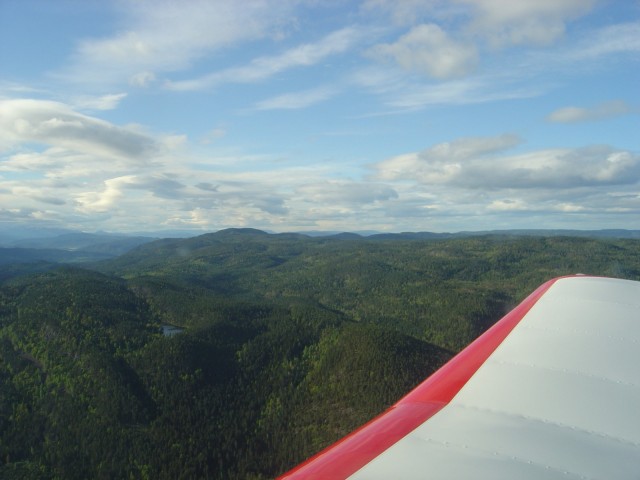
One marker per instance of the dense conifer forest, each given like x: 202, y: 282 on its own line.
x: 285, y: 344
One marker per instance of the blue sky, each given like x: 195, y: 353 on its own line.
x: 294, y: 115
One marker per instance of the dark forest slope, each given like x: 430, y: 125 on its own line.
x: 290, y: 342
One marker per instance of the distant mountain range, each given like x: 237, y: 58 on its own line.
x: 68, y: 247
x: 103, y: 243
x: 36, y: 237
x: 605, y: 233
x: 28, y: 245
x: 611, y: 233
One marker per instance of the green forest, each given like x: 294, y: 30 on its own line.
x: 283, y: 343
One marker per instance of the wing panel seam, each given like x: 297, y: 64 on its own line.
x: 552, y: 423
x: 578, y: 373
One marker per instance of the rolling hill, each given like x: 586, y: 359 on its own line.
x: 289, y: 342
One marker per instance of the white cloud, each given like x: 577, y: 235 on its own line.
x: 213, y: 135
x: 63, y: 165
x: 465, y: 148
x: 56, y: 124
x: 602, y: 111
x: 508, y: 205
x: 609, y: 40
x: 444, y: 162
x: 46, y: 195
x: 334, y: 192
x: 516, y: 75
x: 160, y: 185
x: 58, y: 160
x: 537, y: 22
x: 264, y: 67
x: 82, y: 166
x: 428, y: 49
x: 403, y: 12
x: 599, y: 50
x: 569, y: 207
x: 549, y: 205
x: 142, y: 79
x: 464, y: 180
x: 472, y: 164
x: 31, y: 161
x: 103, y: 200
x: 500, y: 22
x: 165, y: 36
x: 296, y: 100
x: 104, y: 102
x: 117, y: 194
x: 406, y: 93
x: 378, y: 80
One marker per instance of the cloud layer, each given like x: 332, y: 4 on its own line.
x: 475, y: 163
x: 295, y: 115
x: 537, y: 22
x: 142, y: 49
x: 603, y: 111
x: 262, y: 68
x: 57, y: 125
x: 429, y: 50
x: 88, y: 168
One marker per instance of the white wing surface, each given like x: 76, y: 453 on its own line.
x: 551, y: 391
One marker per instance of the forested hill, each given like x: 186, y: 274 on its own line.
x: 289, y: 342
x: 445, y: 291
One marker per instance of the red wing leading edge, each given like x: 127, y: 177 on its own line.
x: 552, y: 391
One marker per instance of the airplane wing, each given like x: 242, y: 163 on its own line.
x: 550, y: 391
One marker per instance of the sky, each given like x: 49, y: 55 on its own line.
x: 307, y: 115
